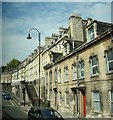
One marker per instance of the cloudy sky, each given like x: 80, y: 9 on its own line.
x: 18, y: 17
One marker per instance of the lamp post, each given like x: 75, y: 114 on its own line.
x: 29, y: 37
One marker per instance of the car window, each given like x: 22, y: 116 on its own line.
x: 39, y: 114
x: 51, y: 114
x: 56, y: 114
x: 35, y: 112
x: 31, y: 110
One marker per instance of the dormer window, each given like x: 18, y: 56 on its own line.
x: 51, y: 56
x: 66, y: 49
x: 91, y: 34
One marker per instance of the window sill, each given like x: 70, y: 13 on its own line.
x: 59, y: 82
x: 96, y: 75
x: 111, y: 115
x: 67, y: 106
x: 66, y: 81
x: 110, y: 72
x: 74, y: 79
x: 82, y: 78
x: 97, y: 112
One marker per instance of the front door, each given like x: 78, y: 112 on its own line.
x: 84, y: 105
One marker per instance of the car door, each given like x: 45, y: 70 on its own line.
x: 31, y: 114
x: 39, y: 115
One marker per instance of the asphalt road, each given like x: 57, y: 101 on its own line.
x: 10, y: 111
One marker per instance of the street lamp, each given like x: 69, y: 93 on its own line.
x: 29, y: 37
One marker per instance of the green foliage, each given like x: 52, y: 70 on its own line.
x: 12, y: 64
x: 2, y: 69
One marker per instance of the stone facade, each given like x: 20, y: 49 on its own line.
x: 74, y: 83
x: 6, y: 81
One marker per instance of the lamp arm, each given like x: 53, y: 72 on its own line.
x: 34, y: 29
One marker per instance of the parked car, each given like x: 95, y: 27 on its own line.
x: 3, y: 93
x: 7, y: 96
x: 38, y: 113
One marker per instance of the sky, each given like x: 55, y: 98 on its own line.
x: 18, y: 17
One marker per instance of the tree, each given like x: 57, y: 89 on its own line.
x: 12, y: 64
x: 2, y: 69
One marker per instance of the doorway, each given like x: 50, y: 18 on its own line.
x: 84, y: 103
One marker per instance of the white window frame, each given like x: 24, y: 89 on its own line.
x: 60, y: 76
x: 94, y: 66
x: 66, y: 74
x: 108, y: 61
x: 81, y: 69
x: 96, y: 101
x: 91, y: 34
x: 65, y: 48
x: 74, y: 69
x: 111, y: 101
x: 73, y: 44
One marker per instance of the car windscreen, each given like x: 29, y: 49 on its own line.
x: 51, y: 114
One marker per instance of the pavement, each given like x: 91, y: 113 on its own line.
x: 65, y: 115
x: 26, y: 107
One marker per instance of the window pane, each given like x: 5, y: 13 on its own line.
x: 91, y: 30
x: 82, y: 65
x: 111, y: 96
x: 110, y: 55
x: 95, y: 69
x: 112, y: 107
x: 91, y: 33
x: 94, y: 61
x: 97, y: 106
x: 82, y: 73
x: 110, y: 65
x: 66, y: 74
x: 81, y: 69
x: 74, y: 72
x: 96, y: 96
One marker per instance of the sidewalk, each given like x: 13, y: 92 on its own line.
x: 67, y: 114
x: 26, y: 108
x: 20, y: 103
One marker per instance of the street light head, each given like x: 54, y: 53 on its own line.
x: 29, y: 37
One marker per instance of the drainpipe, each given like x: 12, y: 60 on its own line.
x: 77, y: 95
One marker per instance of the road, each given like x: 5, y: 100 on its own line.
x: 12, y: 111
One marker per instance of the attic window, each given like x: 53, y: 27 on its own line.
x: 91, y: 34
